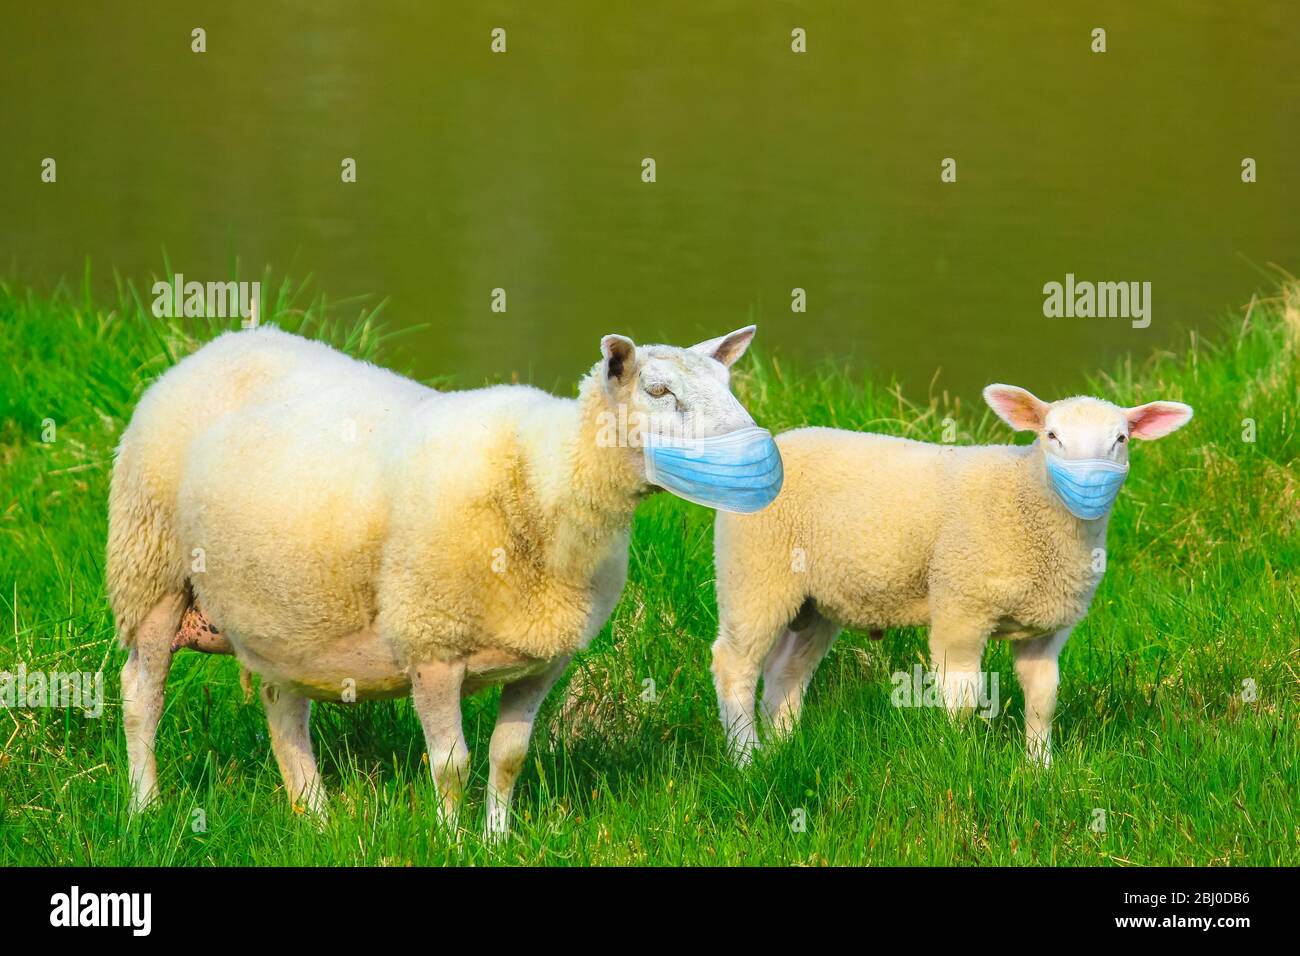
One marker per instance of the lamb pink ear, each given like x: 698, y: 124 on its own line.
x: 1020, y: 409
x: 1157, y: 419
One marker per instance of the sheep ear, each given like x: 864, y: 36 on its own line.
x: 727, y: 348
x: 1157, y: 419
x: 619, y: 354
x: 1020, y: 409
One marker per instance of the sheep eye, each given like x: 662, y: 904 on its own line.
x: 1051, y: 436
x: 1121, y: 439
x: 657, y: 391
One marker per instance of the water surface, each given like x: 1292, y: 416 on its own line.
x: 775, y: 170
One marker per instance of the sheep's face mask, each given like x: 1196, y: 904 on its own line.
x: 696, y: 439
x: 739, y: 471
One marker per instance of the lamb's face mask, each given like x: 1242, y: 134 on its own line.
x: 739, y: 471
x: 1086, y: 486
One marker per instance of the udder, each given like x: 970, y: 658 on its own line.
x: 197, y: 633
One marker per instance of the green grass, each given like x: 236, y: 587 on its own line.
x: 1201, y: 595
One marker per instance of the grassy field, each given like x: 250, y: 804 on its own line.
x: 1158, y: 726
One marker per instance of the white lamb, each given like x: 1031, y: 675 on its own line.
x: 874, y: 532
x: 351, y: 532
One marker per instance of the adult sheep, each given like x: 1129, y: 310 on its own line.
x: 873, y: 532
x: 348, y: 531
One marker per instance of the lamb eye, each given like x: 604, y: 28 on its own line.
x: 657, y: 391
x: 1121, y: 439
x: 1051, y: 436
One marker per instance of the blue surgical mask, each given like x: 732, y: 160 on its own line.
x: 739, y: 471
x: 1086, y: 486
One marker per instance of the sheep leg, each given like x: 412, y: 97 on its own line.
x: 1039, y: 676
x: 435, y: 689
x: 144, y: 681
x: 519, y: 704
x: 956, y: 652
x: 736, y: 667
x: 789, y: 669
x: 288, y: 716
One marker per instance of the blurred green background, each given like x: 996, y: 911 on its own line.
x: 522, y: 170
